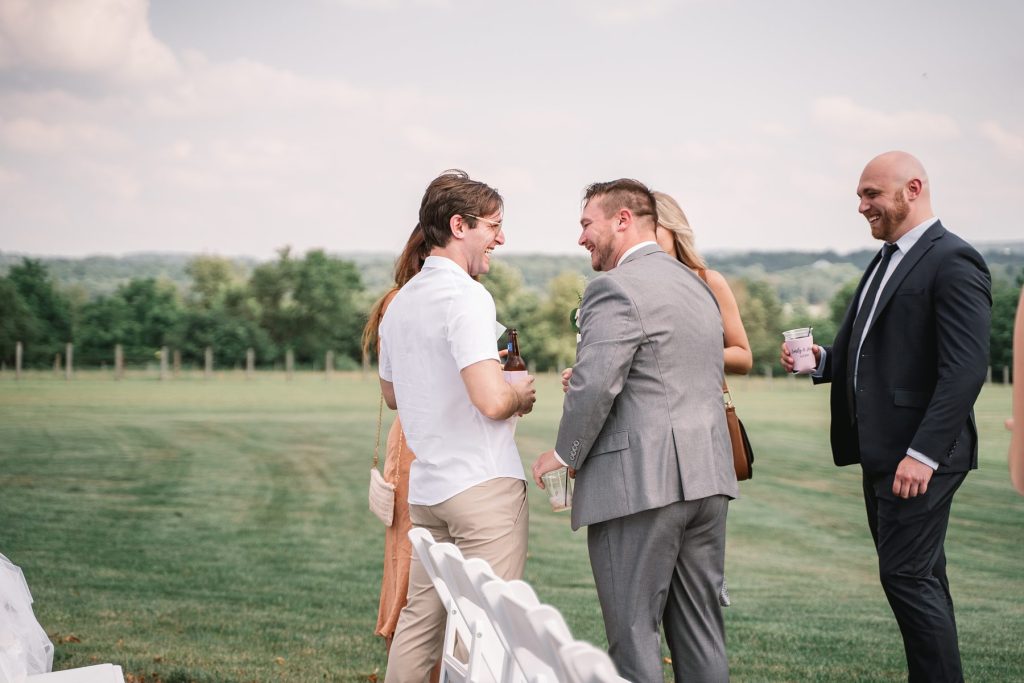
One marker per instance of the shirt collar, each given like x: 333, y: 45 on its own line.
x: 633, y: 248
x: 906, y: 242
x: 443, y: 262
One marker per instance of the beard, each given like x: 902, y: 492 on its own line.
x: 602, y: 258
x: 890, y: 221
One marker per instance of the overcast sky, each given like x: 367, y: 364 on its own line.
x: 239, y: 126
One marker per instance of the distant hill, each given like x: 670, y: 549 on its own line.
x: 797, y: 276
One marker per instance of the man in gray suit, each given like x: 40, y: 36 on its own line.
x: 644, y: 429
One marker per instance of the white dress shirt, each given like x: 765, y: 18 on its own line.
x: 439, y: 323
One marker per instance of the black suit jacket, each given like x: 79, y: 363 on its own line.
x: 923, y: 361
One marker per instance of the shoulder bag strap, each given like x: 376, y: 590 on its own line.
x: 376, y: 446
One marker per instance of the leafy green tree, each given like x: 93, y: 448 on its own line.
x: 1004, y: 309
x: 230, y: 337
x: 840, y: 303
x: 142, y: 316
x: 556, y: 338
x: 50, y: 326
x: 310, y: 305
x: 763, y: 320
x: 271, y: 286
x: 17, y: 321
x: 222, y: 314
x: 213, y: 280
x: 515, y: 306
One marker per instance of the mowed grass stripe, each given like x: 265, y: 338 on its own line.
x: 218, y: 531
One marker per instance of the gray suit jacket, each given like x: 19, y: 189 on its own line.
x: 643, y: 422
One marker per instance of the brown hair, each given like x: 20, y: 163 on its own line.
x: 672, y: 218
x: 625, y: 192
x: 454, y: 193
x: 408, y: 264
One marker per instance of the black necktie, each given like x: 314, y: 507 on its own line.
x: 861, y: 323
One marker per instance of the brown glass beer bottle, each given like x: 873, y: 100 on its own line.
x: 513, y: 361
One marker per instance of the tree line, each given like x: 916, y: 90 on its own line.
x: 318, y: 303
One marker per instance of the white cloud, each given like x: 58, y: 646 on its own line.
x: 1008, y: 143
x: 33, y: 135
x: 614, y: 12
x: 8, y: 177
x: 109, y: 39
x: 845, y: 117
x: 428, y: 140
x: 392, y: 5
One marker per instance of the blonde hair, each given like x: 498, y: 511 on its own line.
x: 671, y: 217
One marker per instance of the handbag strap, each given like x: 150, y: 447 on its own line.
x: 380, y: 416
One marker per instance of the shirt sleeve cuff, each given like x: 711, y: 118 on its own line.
x: 559, y: 459
x: 819, y: 371
x: 921, y: 457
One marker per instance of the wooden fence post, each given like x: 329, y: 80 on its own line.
x: 208, y: 363
x: 289, y: 364
x: 56, y: 365
x: 177, y: 363
x: 118, y: 362
x: 328, y: 364
x: 768, y: 375
x: 250, y: 362
x: 988, y: 375
x: 69, y: 355
x: 163, y: 363
x: 18, y: 351
x: 1006, y: 375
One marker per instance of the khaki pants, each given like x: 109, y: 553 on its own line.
x: 489, y: 521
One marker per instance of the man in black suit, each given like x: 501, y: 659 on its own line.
x: 906, y: 367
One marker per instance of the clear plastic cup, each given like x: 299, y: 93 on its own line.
x: 556, y: 486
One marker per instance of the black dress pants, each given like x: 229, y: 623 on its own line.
x: 909, y: 536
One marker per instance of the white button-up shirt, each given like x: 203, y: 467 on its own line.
x: 440, y: 322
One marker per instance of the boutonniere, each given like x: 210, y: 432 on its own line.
x: 574, y: 314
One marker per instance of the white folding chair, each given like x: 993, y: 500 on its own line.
x: 486, y: 652
x: 534, y: 631
x: 452, y: 668
x: 479, y: 573
x: 585, y: 663
x: 99, y: 673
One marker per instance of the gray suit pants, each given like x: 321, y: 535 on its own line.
x: 663, y: 564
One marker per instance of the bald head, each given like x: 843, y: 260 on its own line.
x: 894, y: 195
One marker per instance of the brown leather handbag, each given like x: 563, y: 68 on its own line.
x: 742, y: 453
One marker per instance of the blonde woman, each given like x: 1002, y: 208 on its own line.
x: 675, y: 237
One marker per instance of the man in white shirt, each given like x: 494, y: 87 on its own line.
x: 906, y: 366
x: 439, y: 367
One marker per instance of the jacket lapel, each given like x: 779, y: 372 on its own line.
x: 846, y: 327
x: 906, y: 264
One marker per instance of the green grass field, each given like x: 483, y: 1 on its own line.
x: 218, y: 531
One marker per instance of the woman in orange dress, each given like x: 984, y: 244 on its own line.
x: 398, y: 458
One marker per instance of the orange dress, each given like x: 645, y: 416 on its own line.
x: 397, y: 547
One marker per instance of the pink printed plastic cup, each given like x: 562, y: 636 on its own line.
x: 800, y: 344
